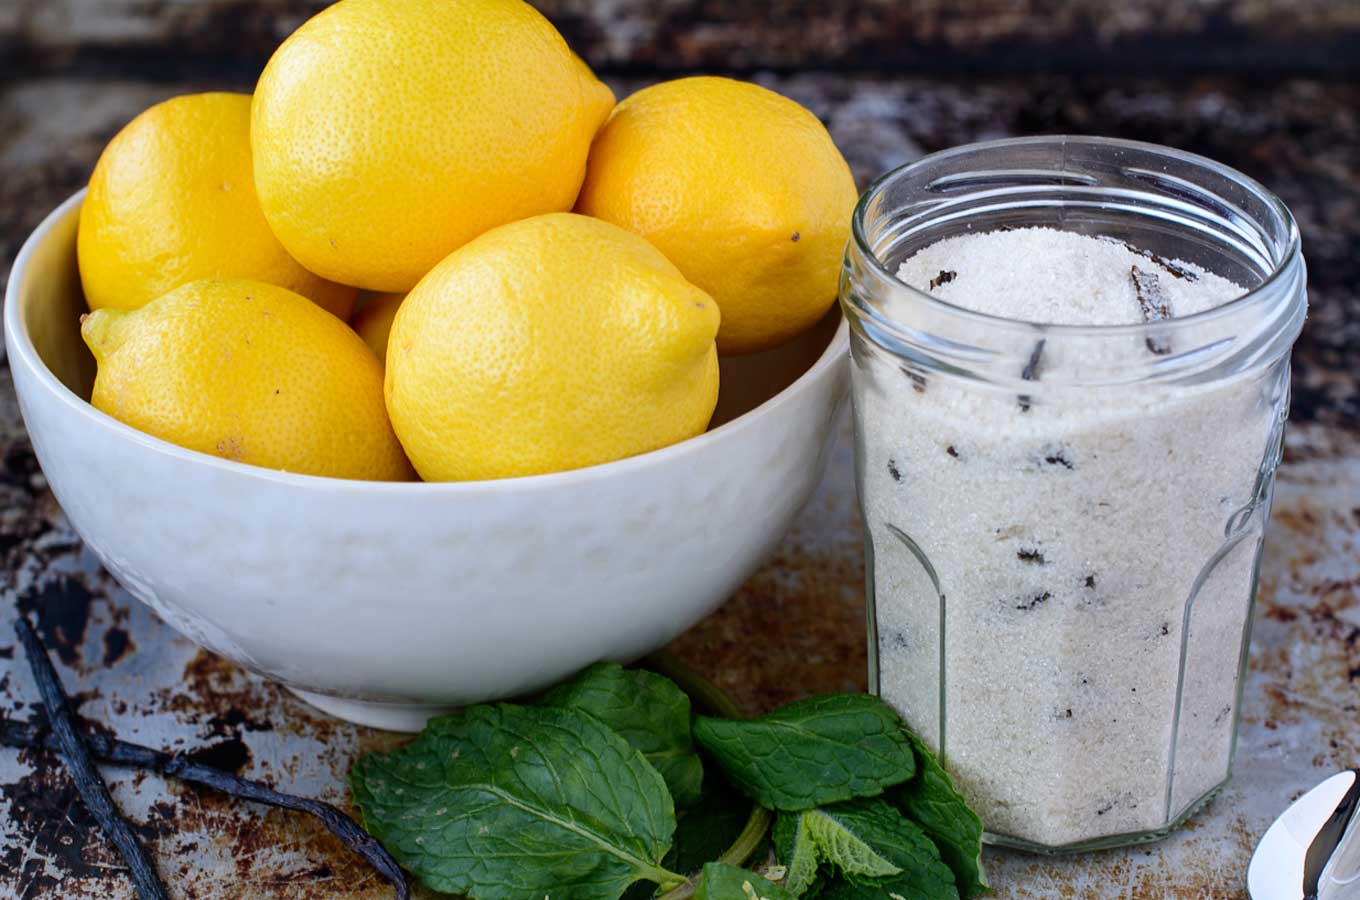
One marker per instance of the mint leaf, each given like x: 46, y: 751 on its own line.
x: 932, y: 802
x: 723, y: 882
x: 813, y: 752
x: 797, y: 852
x: 506, y: 802
x: 867, y: 833
x: 845, y: 835
x: 646, y: 710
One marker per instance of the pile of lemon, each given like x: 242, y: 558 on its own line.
x: 544, y: 279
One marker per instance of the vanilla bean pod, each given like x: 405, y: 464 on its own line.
x: 35, y: 734
x: 1154, y: 304
x: 70, y: 744
x: 1031, y: 371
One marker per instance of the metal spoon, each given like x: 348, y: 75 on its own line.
x: 1312, y: 851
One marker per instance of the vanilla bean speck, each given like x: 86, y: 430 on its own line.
x: 943, y: 278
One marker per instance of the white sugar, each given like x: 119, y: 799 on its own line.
x: 1052, y: 549
x: 1057, y: 277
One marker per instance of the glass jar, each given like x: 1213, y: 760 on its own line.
x: 1062, y: 565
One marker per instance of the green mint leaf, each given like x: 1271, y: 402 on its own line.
x: 646, y: 710
x: 932, y: 802
x: 506, y: 802
x: 813, y: 752
x: 871, y: 830
x: 818, y: 887
x: 723, y: 882
x: 797, y: 852
x: 845, y: 835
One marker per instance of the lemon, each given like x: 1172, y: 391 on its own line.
x: 548, y: 344
x: 172, y: 200
x: 249, y: 372
x: 373, y: 321
x: 388, y: 133
x: 599, y: 98
x: 742, y: 188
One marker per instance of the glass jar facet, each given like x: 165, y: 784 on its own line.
x: 1061, y: 569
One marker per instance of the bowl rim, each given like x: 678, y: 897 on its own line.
x: 19, y: 346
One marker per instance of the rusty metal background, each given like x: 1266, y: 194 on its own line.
x: 797, y: 627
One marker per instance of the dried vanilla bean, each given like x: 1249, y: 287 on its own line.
x: 36, y: 734
x: 1153, y: 303
x: 1171, y: 268
x: 41, y: 734
x: 1031, y: 371
x: 70, y: 744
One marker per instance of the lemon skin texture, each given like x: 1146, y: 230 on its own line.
x: 249, y: 372
x: 552, y: 343
x: 599, y: 97
x: 740, y: 187
x: 388, y: 133
x: 172, y: 200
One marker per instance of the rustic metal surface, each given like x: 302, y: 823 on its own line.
x: 797, y: 627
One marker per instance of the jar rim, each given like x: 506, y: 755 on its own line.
x: 1269, y: 288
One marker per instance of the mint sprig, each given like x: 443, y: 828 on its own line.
x: 567, y: 798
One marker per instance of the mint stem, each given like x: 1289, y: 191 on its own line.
x: 740, y: 851
x: 665, y: 878
x: 749, y: 839
x: 711, y: 697
x: 699, y: 688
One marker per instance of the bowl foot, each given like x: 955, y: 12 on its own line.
x: 408, y: 717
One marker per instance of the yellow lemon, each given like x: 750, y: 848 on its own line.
x: 373, y: 321
x: 599, y: 98
x: 388, y: 133
x: 172, y: 200
x: 551, y: 343
x: 249, y: 372
x: 741, y: 188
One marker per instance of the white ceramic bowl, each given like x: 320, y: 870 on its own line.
x: 387, y: 603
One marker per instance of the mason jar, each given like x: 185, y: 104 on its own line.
x: 1062, y: 558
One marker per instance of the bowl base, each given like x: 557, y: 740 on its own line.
x: 407, y: 717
